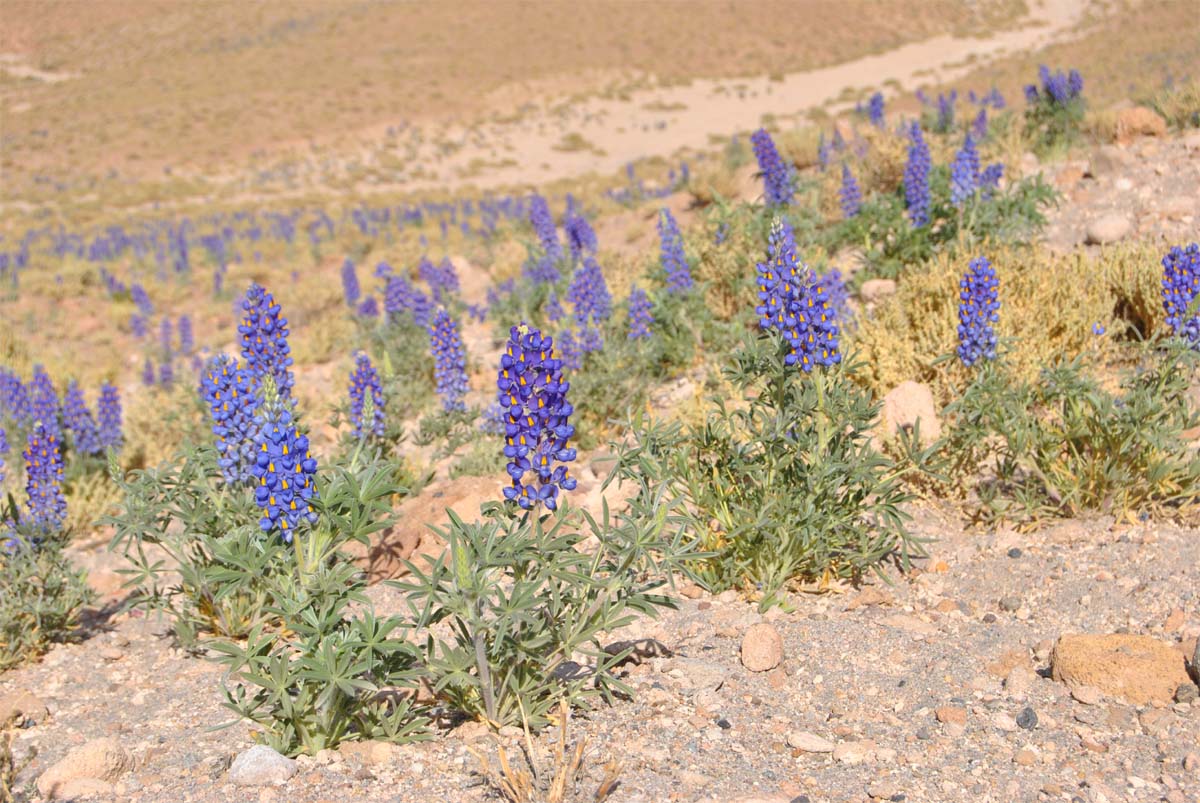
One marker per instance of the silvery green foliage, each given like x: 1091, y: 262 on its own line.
x: 322, y: 674
x: 783, y: 484
x: 1063, y: 443
x: 516, y: 610
x: 41, y: 596
x: 196, y: 553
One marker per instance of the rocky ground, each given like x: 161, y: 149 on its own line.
x: 945, y: 685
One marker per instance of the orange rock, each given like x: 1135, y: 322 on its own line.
x: 1138, y: 669
x: 1139, y: 122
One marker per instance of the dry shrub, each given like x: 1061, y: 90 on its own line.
x: 1049, y: 304
x: 1180, y: 104
x: 799, y: 145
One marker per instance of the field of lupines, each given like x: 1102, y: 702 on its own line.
x: 237, y: 510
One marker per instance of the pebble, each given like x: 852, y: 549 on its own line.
x: 762, y: 647
x: 1004, y: 722
x: 883, y: 790
x: 951, y: 714
x: 809, y: 742
x: 1027, y: 719
x: 1015, y: 552
x: 1187, y: 693
x: 1088, y: 695
x: 853, y: 752
x: 1191, y: 762
x: 1010, y: 604
x: 1018, y: 682
x: 261, y: 766
x: 1026, y: 758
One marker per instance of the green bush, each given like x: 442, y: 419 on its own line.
x: 326, y: 675
x: 41, y: 596
x: 783, y: 484
x: 1063, y: 443
x: 514, y: 601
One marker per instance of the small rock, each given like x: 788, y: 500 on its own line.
x: 25, y: 706
x: 907, y: 404
x: 873, y: 290
x: 951, y: 714
x: 111, y: 654
x: 1027, y: 719
x: 1108, y: 159
x: 1139, y: 122
x: 1109, y: 228
x: 762, y: 647
x: 809, y: 742
x: 1010, y: 603
x: 1186, y: 693
x: 1018, y: 682
x: 372, y: 751
x: 1015, y: 552
x: 854, y: 752
x: 98, y: 760
x: 1191, y: 762
x: 883, y: 790
x: 1026, y: 758
x: 1138, y: 669
x: 261, y: 766
x: 1004, y: 722
x: 1093, y: 745
x: 1088, y: 695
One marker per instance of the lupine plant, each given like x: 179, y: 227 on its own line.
x: 785, y: 486
x: 367, y: 406
x: 777, y: 178
x: 978, y: 311
x: 671, y: 253
x: 580, y: 236
x: 351, y: 290
x: 283, y: 470
x: 640, y: 317
x: 77, y: 418
x: 231, y: 393
x: 108, y: 414
x: 916, y: 178
x: 1181, y: 291
x: 1055, y: 109
x: 264, y: 340
x: 450, y: 361
x: 849, y: 196
x: 45, y: 506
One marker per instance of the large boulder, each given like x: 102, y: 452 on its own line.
x: 1137, y: 669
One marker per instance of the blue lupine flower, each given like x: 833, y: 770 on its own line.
x: 569, y: 350
x: 639, y: 314
x: 402, y: 299
x: 537, y: 420
x: 833, y: 287
x: 672, y: 255
x: 441, y: 278
x: 46, y: 505
x: 148, y: 373
x: 916, y: 178
x: 142, y: 299
x: 493, y: 419
x: 839, y: 142
x: 989, y: 179
x: 541, y: 270
x: 369, y: 308
x: 1098, y: 329
x: 580, y: 235
x: 165, y: 332
x: 264, y: 337
x: 554, y: 309
x: 137, y: 325
x: 824, y: 152
x: 964, y: 173
x: 978, y: 309
x: 875, y: 109
x: 795, y: 306
x: 14, y: 400
x: 1180, y: 291
x: 187, y: 342
x: 849, y: 195
x: 283, y: 471
x: 543, y: 226
x: 364, y: 383
x: 231, y: 393
x: 1058, y: 88
x: 945, y: 110
x: 591, y: 339
x: 980, y: 127
x: 108, y: 414
x: 3, y: 451
x: 78, y: 420
x: 350, y: 287
x: 166, y: 374
x: 777, y: 178
x: 43, y: 401
x: 588, y: 292
x: 450, y: 361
